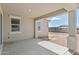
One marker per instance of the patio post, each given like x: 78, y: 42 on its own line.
x: 72, y: 39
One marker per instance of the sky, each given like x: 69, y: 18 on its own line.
x: 61, y: 20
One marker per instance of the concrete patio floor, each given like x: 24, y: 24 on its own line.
x: 30, y: 46
x: 25, y: 47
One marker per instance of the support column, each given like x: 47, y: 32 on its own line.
x: 72, y: 39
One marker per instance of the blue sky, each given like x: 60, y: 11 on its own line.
x: 61, y: 20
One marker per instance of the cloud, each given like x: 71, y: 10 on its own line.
x: 78, y: 25
x: 54, y: 18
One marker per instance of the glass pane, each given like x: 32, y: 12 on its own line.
x: 15, y: 21
x: 77, y: 22
x: 39, y: 26
x: 15, y: 28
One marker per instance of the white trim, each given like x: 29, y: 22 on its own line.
x: 16, y: 17
x: 16, y: 32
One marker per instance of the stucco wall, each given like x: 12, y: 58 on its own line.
x: 0, y: 9
x: 43, y: 29
x: 26, y: 29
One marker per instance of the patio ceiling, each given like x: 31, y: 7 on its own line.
x: 35, y: 10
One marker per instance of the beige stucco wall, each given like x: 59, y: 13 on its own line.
x: 0, y: 9
x: 26, y: 29
x: 77, y: 43
x: 43, y: 30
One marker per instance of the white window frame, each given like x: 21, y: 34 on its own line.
x: 16, y: 17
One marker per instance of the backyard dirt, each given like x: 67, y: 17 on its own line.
x: 59, y: 38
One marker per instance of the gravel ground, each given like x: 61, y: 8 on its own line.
x: 59, y: 38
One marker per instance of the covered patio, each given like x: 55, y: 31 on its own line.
x: 20, y: 31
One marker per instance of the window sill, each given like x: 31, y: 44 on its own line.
x: 15, y: 33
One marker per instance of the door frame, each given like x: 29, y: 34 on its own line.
x: 1, y: 30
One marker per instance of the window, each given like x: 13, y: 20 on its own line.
x: 77, y: 12
x: 15, y: 24
x: 38, y: 26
